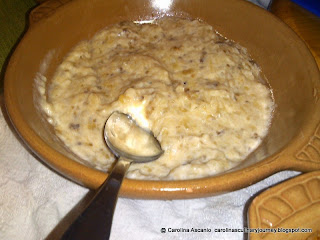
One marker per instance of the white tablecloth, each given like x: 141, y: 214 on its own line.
x: 37, y: 203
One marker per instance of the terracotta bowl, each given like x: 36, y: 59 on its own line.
x: 294, y: 138
x: 293, y: 204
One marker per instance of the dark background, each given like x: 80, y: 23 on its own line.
x: 13, y: 21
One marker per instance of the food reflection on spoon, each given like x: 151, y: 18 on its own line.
x: 126, y: 139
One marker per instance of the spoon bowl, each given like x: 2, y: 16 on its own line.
x: 126, y: 139
x: 129, y: 143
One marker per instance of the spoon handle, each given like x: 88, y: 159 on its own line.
x: 96, y: 220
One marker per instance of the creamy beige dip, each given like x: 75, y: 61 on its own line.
x: 199, y: 93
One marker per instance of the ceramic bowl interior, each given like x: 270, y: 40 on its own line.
x: 285, y: 61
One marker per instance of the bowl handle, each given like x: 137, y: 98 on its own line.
x: 307, y: 157
x: 44, y: 10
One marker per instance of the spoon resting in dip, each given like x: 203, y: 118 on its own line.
x: 126, y: 139
x: 130, y: 143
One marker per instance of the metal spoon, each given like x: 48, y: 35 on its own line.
x: 129, y: 143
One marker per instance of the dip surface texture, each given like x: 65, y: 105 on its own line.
x: 200, y: 94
